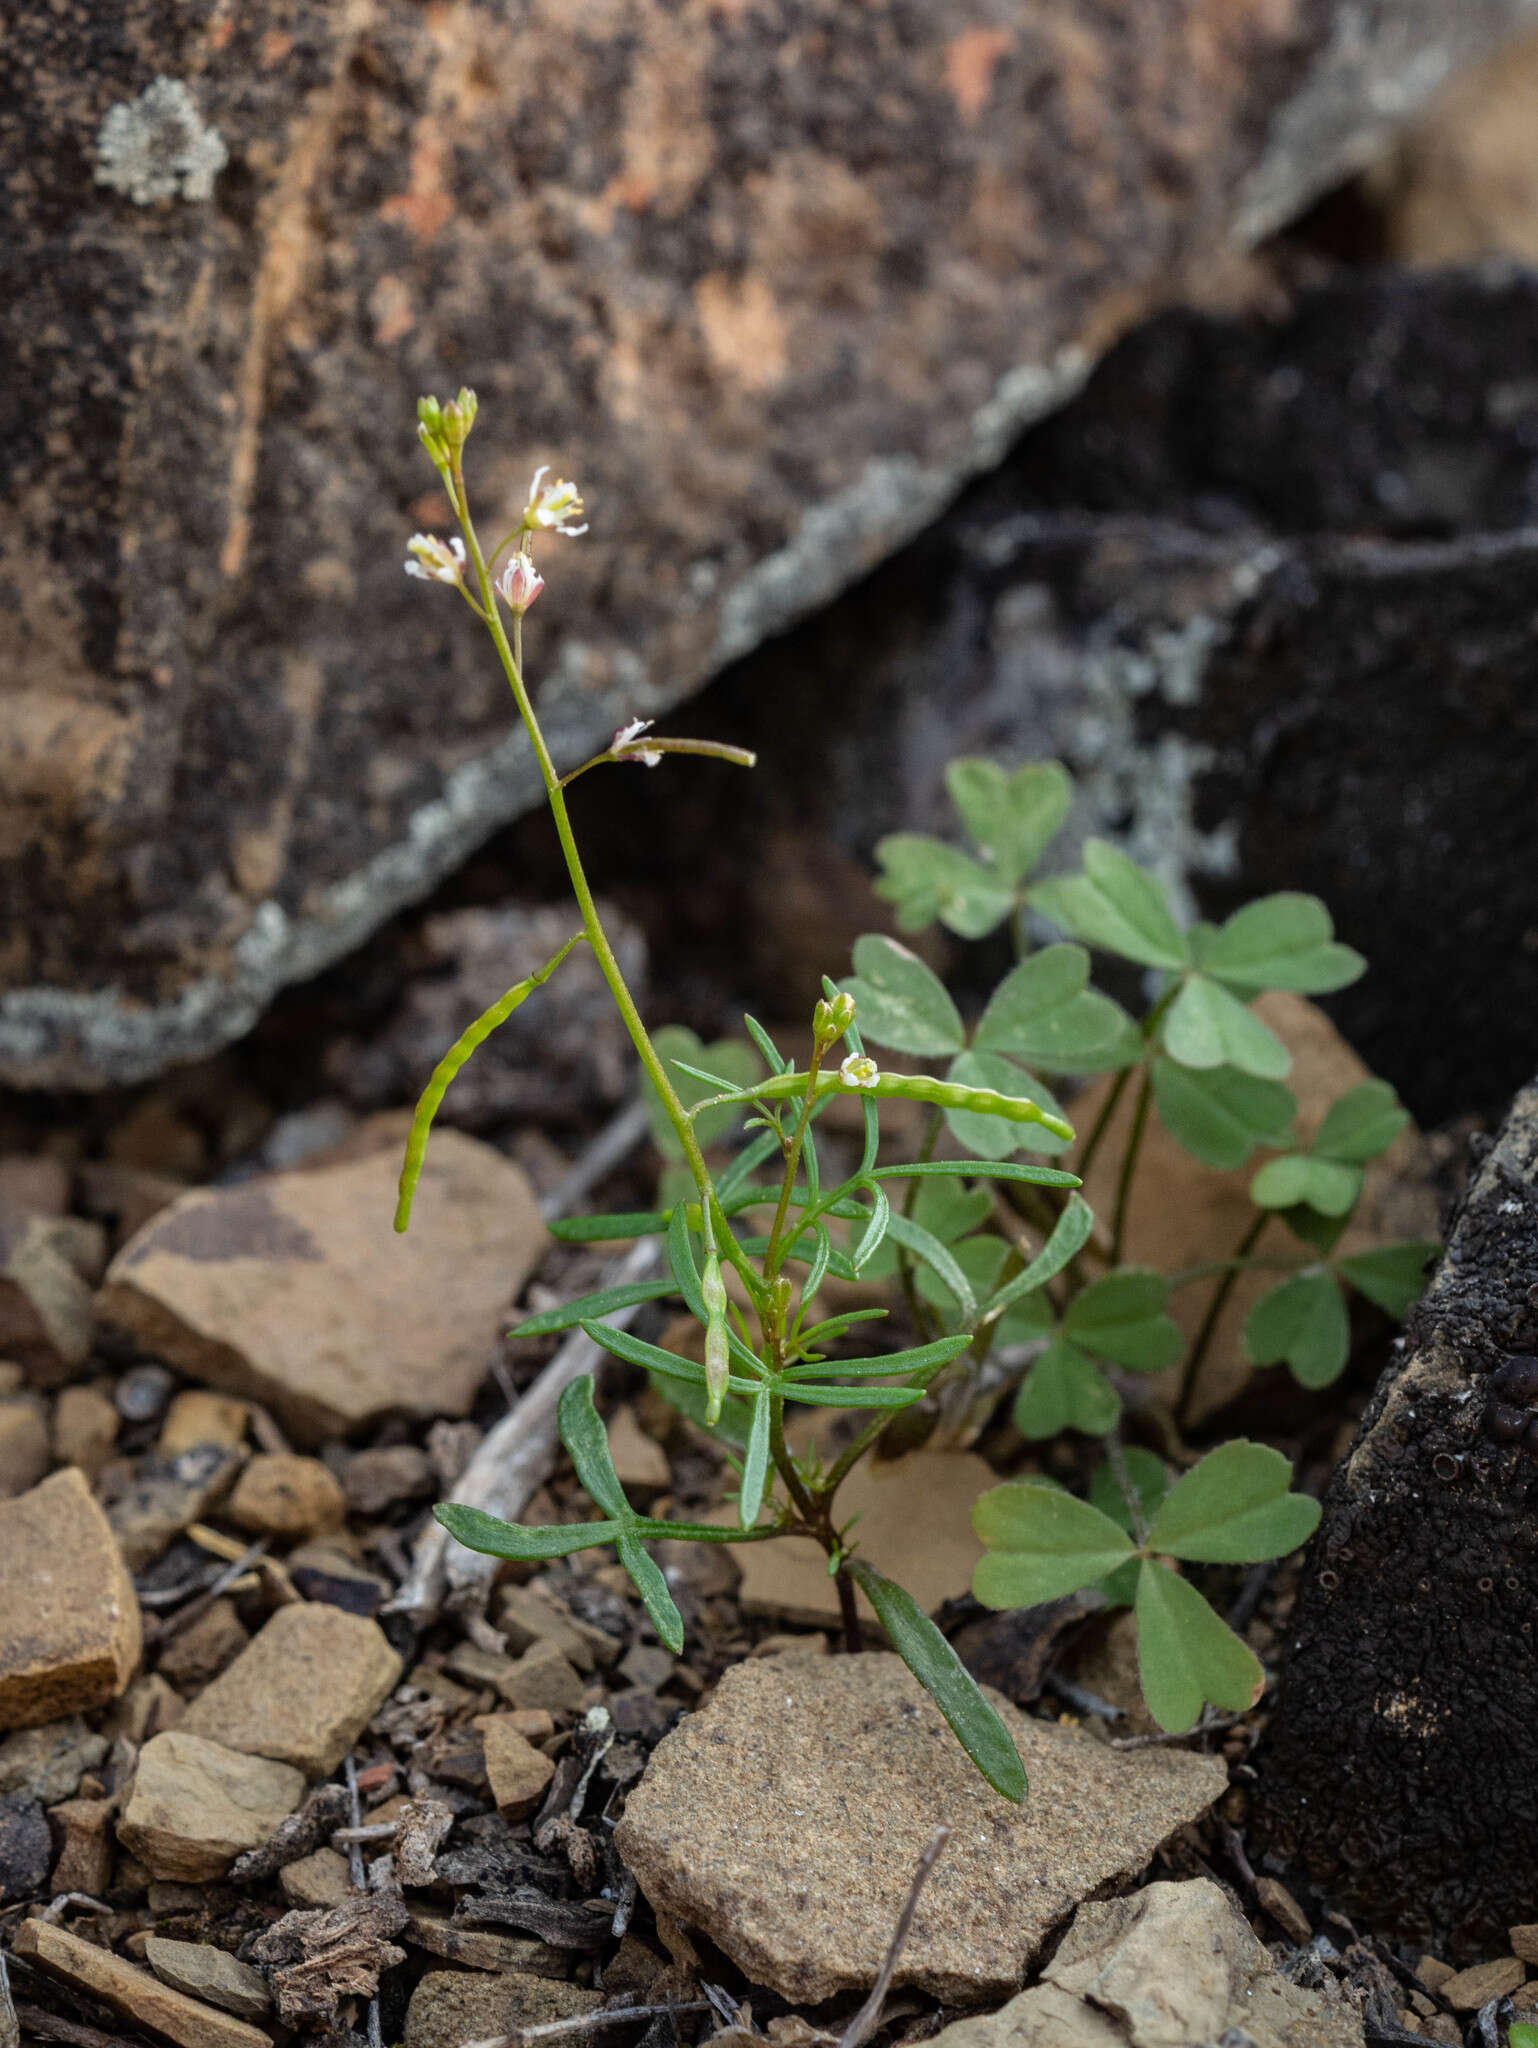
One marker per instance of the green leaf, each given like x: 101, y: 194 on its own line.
x: 1302, y: 1322
x: 732, y: 1059
x: 689, y: 1398
x: 652, y: 1358
x: 1186, y: 1655
x: 974, y: 1169
x: 1235, y: 1507
x: 995, y: 1137
x: 1044, y: 1012
x: 646, y: 1577
x: 1283, y: 941
x: 1394, y: 1276
x: 1321, y: 1184
x: 602, y: 1303
x: 1208, y: 1027
x: 755, y: 1465
x: 1522, y: 2034
x: 927, y: 879
x: 1070, y: 1233
x: 1150, y: 1482
x: 477, y: 1530
x: 1115, y: 905
x: 1010, y: 819
x: 899, y: 1002
x: 921, y: 1358
x: 768, y: 1051
x: 924, y: 1245
x: 1360, y: 1124
x: 873, y: 1233
x: 1042, y: 1543
x: 587, y: 1441
x: 849, y: 1397
x: 1220, y: 1115
x: 686, y: 1274
x: 1065, y: 1389
x: 603, y: 1229
x: 945, y: 1678
x: 752, y: 1156
x: 1124, y: 1317
x: 1320, y: 1233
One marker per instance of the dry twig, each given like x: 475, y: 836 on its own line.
x: 868, y: 2018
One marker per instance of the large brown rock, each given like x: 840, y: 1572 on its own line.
x: 785, y: 1819
x: 295, y: 1290
x: 772, y: 282
x: 69, y: 1618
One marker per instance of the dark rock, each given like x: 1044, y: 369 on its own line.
x: 772, y: 286
x: 1399, y: 1773
x: 26, y: 1847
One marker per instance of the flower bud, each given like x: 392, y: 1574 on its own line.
x: 520, y: 583
x: 831, y: 1019
x: 859, y: 1071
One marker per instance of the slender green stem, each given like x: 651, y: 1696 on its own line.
x: 1116, y: 1458
x: 922, y: 1321
x: 792, y: 1162
x: 1215, y: 1308
x: 1192, y: 1274
x: 785, y: 1465
x: 1129, y: 1167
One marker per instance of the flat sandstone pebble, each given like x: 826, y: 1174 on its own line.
x: 1468, y: 1990
x: 303, y: 1691
x: 518, y: 1772
x: 295, y: 1290
x: 785, y: 1819
x: 203, y: 1971
x: 69, y: 1617
x: 197, y: 1805
x: 134, y: 1994
x: 450, y: 2007
x: 280, y: 1494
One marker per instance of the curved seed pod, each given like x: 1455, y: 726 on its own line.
x: 449, y: 1066
x: 717, y: 1349
x: 1015, y: 1109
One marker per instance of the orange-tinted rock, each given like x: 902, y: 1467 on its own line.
x: 303, y: 1690
x: 69, y: 1619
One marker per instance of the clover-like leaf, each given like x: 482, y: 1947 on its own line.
x: 900, y: 1002
x: 926, y: 880
x: 1235, y: 1507
x: 936, y: 1666
x: 1010, y: 819
x: 1360, y: 1124
x: 1208, y: 1027
x: 1218, y: 1114
x: 1299, y: 1177
x: 995, y: 1137
x: 1041, y: 1543
x: 1124, y: 1317
x: 1116, y: 905
x: 1186, y: 1655
x: 1065, y: 1389
x: 1045, y: 1013
x: 1150, y: 1481
x: 1303, y: 1323
x: 1282, y: 941
x: 1393, y: 1276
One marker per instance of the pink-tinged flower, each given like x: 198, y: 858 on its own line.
x: 437, y: 561
x: 520, y: 582
x: 859, y: 1071
x: 556, y: 505
x: 623, y: 744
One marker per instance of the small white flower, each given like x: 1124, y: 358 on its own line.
x: 624, y: 745
x: 437, y: 561
x: 859, y: 1071
x: 556, y: 505
x: 520, y: 582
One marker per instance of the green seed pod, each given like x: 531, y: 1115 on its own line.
x: 717, y: 1351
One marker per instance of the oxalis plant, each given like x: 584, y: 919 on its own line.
x: 769, y: 1223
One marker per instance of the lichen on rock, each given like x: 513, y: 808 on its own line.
x: 159, y: 147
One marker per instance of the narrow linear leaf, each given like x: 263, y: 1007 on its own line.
x: 874, y: 1231
x: 587, y: 1441
x: 1070, y: 1234
x: 652, y: 1358
x: 605, y: 1302
x: 925, y: 1245
x: 602, y: 1229
x: 755, y: 1465
x: 850, y: 1397
x: 979, y: 1169
x: 922, y: 1358
x: 945, y: 1678
x: 646, y: 1577
x: 477, y: 1530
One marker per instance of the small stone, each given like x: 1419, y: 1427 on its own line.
x: 83, y: 1243
x: 648, y: 1664
x: 752, y: 1814
x: 287, y: 1497
x: 49, y: 1761
x: 449, y: 2007
x: 376, y: 1480
x: 294, y: 1290
x: 128, y: 1195
x: 199, y: 1417
x: 26, y: 1847
x: 197, y: 1805
x: 167, y: 1497
x: 1526, y: 1996
x: 1433, y: 1972
x: 1284, y: 1909
x: 518, y: 1772
x: 149, y: 1707
x: 304, y: 1690
x: 85, y: 1426
x: 640, y: 1464
x: 1409, y: 2020
x: 142, y: 1394
x: 478, y: 1667
x: 204, y: 1647
x: 1444, y: 2028
x: 24, y: 1448
x: 203, y: 1971
x: 542, y: 1677
x: 1524, y: 1943
x: 476, y: 1948
x: 537, y: 1724
x: 69, y: 1617
x: 34, y: 1184
x: 323, y: 1571
x: 85, y: 1861
x: 526, y: 1617
x: 322, y: 1878
x: 135, y: 1994
x: 1468, y: 1990
x: 45, y: 1306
